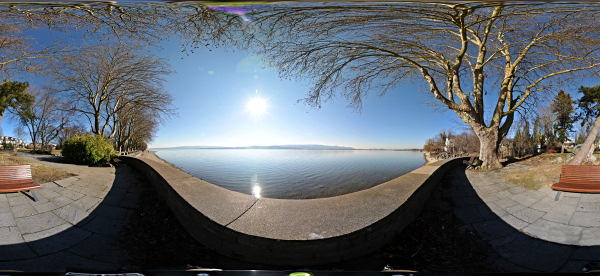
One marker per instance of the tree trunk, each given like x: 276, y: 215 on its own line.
x: 588, y: 145
x: 489, y: 143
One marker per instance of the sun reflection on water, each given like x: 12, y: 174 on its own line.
x: 256, y: 186
x: 256, y: 191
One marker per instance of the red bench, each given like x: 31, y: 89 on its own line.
x: 578, y: 179
x: 17, y: 178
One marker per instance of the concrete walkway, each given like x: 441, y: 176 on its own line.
x: 515, y: 222
x: 573, y: 219
x: 74, y: 226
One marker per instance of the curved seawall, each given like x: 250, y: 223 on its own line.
x: 287, y: 231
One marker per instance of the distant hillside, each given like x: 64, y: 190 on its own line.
x: 303, y: 147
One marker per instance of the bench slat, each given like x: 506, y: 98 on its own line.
x: 15, y: 178
x: 579, y: 178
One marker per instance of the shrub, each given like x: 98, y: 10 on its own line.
x: 88, y: 149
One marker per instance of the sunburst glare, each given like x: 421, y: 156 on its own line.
x: 257, y: 106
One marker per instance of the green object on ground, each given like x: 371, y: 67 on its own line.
x: 299, y: 274
x: 88, y: 150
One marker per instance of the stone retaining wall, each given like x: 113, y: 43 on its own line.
x: 274, y: 231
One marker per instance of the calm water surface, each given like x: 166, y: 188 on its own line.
x: 277, y: 173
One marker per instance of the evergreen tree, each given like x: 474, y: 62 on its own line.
x: 562, y: 107
x: 14, y: 96
x: 589, y: 106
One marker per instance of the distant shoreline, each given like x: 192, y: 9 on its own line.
x: 289, y: 147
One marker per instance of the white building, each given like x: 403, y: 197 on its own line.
x: 18, y: 143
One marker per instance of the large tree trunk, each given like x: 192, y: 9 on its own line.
x: 587, y: 149
x: 489, y: 142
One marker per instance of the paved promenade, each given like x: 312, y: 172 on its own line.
x: 573, y: 219
x: 74, y: 226
x: 519, y: 224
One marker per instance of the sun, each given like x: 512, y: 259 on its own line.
x: 257, y: 106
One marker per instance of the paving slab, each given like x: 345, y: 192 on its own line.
x: 545, y: 204
x: 498, y: 211
x: 24, y: 210
x: 71, y: 214
x: 39, y: 222
x: 7, y: 219
x: 61, y: 232
x: 585, y: 219
x: 493, y: 229
x: 589, y: 206
x: 590, y: 235
x: 505, y: 202
x: 550, y: 256
x: 525, y: 199
x: 10, y: 236
x: 103, y: 225
x: 100, y: 248
x: 560, y: 214
x: 558, y: 232
x: 13, y: 252
x: 5, y: 207
x: 528, y: 215
x: 538, y: 214
x: 60, y: 241
x: 515, y: 222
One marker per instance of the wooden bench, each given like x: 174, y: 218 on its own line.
x: 17, y: 178
x: 472, y: 162
x: 578, y: 179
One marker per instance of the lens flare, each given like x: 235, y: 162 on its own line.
x: 257, y: 106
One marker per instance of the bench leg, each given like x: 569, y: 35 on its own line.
x: 557, y: 196
x: 34, y: 195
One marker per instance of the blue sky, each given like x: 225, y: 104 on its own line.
x: 211, y: 90
x: 212, y: 87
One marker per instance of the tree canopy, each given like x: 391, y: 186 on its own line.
x: 589, y: 105
x: 13, y: 95
x: 562, y: 106
x: 460, y: 51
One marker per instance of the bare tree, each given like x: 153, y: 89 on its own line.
x: 462, y: 51
x: 70, y: 130
x: 105, y: 21
x: 45, y: 118
x: 136, y: 127
x: 104, y: 79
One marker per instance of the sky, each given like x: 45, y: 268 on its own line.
x: 212, y: 89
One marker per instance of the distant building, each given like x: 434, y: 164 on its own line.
x: 448, y: 145
x: 46, y: 147
x: 568, y: 143
x: 7, y: 140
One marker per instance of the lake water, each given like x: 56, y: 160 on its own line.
x: 295, y: 174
